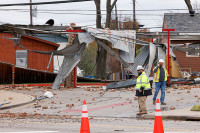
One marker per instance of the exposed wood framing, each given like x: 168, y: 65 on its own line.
x: 112, y: 53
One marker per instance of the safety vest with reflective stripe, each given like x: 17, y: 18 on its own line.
x: 157, y: 75
x: 143, y: 80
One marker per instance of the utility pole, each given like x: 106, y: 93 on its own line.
x: 31, y: 14
x: 168, y: 54
x: 134, y: 22
x: 116, y: 17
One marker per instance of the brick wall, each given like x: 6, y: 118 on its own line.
x: 69, y: 81
x: 187, y: 62
x: 112, y: 64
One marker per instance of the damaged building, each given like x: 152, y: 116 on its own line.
x: 188, y: 27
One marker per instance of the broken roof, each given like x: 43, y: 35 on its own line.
x: 182, y: 22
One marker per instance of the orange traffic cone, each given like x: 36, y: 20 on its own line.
x: 85, y: 127
x: 158, y: 124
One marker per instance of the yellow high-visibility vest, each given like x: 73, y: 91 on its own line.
x: 157, y: 75
x: 143, y: 80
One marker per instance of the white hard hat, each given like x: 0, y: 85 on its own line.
x: 140, y: 68
x: 161, y: 60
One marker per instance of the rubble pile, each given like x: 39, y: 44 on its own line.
x: 35, y: 116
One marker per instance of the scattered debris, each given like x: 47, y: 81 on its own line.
x: 54, y: 107
x: 112, y: 90
x: 10, y: 98
x: 135, y: 98
x: 48, y: 94
x: 104, y: 87
x: 37, y: 106
x: 101, y: 93
x: 40, y: 98
x: 164, y: 108
x: 69, y: 105
x: 88, y: 89
x: 172, y: 108
x: 118, y: 130
x: 45, y: 107
x: 4, y: 103
x: 175, y: 87
x: 168, y: 91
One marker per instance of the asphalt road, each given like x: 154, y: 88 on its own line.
x: 102, y: 125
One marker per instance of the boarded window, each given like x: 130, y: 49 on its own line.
x: 21, y: 58
x: 192, y: 51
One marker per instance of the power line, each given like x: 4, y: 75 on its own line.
x: 147, y: 13
x: 43, y: 3
x: 100, y: 10
x: 102, y: 14
x: 27, y: 10
x: 46, y: 12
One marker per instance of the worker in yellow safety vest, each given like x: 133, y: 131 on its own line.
x: 143, y: 89
x: 160, y: 77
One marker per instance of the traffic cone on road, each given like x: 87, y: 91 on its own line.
x: 85, y: 127
x: 158, y: 124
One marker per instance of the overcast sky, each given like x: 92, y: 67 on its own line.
x: 146, y: 18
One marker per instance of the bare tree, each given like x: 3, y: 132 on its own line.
x: 101, y: 52
x: 189, y: 5
x: 98, y: 13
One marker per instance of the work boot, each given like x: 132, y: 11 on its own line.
x: 163, y: 104
x: 154, y: 102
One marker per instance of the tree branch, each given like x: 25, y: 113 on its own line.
x: 112, y: 52
x: 95, y: 1
x: 113, y: 4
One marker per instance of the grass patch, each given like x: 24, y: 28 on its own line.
x: 195, y: 108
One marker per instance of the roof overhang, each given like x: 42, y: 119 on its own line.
x: 173, y: 35
x: 41, y: 40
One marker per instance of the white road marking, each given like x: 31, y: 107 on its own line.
x: 34, y: 132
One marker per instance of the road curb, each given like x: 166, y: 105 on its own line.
x: 172, y: 117
x: 78, y: 117
x: 17, y: 105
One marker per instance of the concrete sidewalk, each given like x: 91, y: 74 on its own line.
x: 179, y: 114
x: 11, y: 99
x: 101, y: 104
